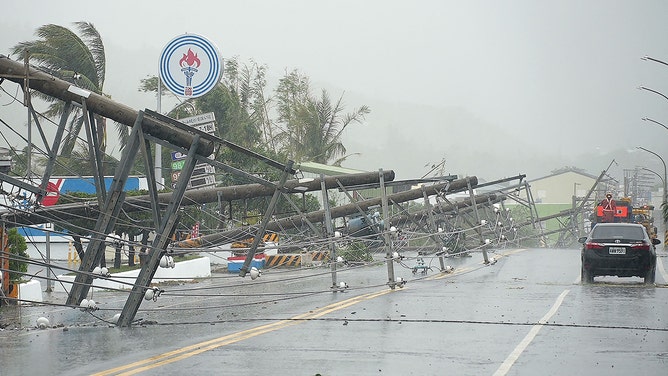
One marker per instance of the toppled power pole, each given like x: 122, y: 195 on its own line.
x: 336, y: 212
x: 99, y: 104
x: 193, y: 197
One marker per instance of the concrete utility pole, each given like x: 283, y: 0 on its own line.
x: 193, y: 197
x: 146, y: 126
x: 101, y: 105
x: 386, y: 235
x: 329, y: 230
x: 271, y: 208
x: 337, y: 212
x: 446, y: 207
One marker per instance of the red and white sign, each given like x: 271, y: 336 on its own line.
x: 195, y: 232
x: 52, y: 193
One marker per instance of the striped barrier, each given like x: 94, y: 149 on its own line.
x: 295, y: 259
x: 288, y: 259
x: 270, y: 237
x: 320, y: 255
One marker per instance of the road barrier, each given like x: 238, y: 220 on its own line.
x: 295, y: 259
x: 320, y: 255
x: 72, y: 255
x: 292, y: 260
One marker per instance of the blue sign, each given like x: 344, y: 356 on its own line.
x: 190, y: 66
x: 87, y: 185
x: 177, y: 156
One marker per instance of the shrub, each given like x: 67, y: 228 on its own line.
x: 17, y: 249
x: 356, y: 252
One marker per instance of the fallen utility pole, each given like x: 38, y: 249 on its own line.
x: 563, y: 213
x: 64, y: 212
x: 447, y: 207
x: 319, y: 216
x: 99, y: 104
x: 248, y: 191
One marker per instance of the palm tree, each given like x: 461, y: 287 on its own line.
x: 79, y: 59
x: 240, y: 108
x: 78, y: 162
x: 312, y: 127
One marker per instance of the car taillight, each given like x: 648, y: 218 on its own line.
x: 640, y: 247
x: 592, y: 245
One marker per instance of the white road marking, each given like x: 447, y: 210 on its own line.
x: 659, y: 263
x: 512, y: 358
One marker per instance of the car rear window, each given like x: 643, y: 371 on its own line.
x: 618, y: 232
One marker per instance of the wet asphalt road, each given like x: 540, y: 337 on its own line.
x: 527, y: 314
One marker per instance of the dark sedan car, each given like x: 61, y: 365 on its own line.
x: 618, y: 249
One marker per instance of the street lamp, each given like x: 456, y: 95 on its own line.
x: 655, y: 122
x: 653, y: 91
x: 665, y: 179
x: 654, y: 172
x: 653, y: 59
x: 665, y: 192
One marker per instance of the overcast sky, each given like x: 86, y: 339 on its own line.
x: 556, y: 78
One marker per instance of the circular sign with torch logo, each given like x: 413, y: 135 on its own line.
x: 190, y: 66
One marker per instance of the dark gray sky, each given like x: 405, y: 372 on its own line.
x: 491, y: 86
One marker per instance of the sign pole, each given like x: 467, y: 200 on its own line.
x: 158, y: 147
x: 190, y: 66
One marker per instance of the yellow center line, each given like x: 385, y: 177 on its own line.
x: 198, y: 348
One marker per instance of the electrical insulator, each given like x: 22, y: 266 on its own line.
x: 42, y: 323
x: 254, y: 273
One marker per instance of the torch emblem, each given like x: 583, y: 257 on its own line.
x: 189, y: 64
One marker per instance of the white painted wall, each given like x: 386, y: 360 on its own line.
x: 30, y: 291
x: 183, y: 271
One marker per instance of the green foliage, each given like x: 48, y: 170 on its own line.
x: 17, y: 248
x: 456, y: 242
x: 312, y: 127
x: 80, y: 226
x: 79, y: 59
x: 356, y: 252
x: 528, y: 236
x: 238, y: 103
x: 79, y: 163
x: 307, y: 128
x: 19, y: 161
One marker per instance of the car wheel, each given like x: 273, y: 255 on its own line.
x: 586, y: 276
x: 650, y: 276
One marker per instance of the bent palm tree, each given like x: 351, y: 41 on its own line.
x: 312, y: 127
x: 77, y: 59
